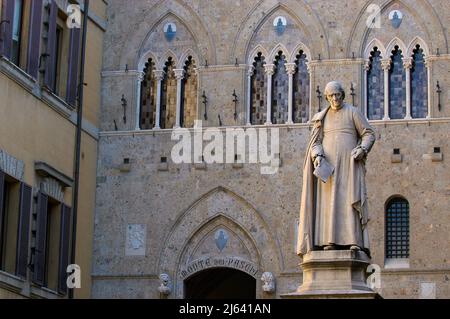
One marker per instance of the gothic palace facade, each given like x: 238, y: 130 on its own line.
x: 213, y: 230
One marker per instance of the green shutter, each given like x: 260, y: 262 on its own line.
x: 24, y: 230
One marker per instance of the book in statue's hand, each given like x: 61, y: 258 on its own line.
x: 324, y: 171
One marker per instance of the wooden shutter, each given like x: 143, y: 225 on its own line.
x: 41, y: 240
x: 50, y: 61
x: 64, y: 245
x: 24, y: 230
x: 2, y: 210
x: 35, y: 38
x: 7, y: 28
x: 74, y: 58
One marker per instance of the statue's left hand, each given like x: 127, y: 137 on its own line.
x: 358, y: 153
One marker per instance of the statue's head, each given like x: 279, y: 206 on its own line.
x: 335, y: 94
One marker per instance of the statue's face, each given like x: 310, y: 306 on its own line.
x: 336, y: 98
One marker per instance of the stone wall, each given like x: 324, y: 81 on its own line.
x: 178, y: 203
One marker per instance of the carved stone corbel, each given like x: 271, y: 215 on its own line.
x: 165, y: 288
x: 269, y: 285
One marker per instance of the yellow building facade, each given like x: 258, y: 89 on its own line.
x: 39, y: 70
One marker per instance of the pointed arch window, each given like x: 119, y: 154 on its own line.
x: 419, y: 84
x: 397, y: 228
x: 168, y: 96
x: 148, y: 97
x: 301, y: 89
x: 189, y: 94
x: 258, y: 92
x: 397, y: 86
x: 375, y: 86
x: 280, y: 90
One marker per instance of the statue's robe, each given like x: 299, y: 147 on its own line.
x: 335, y: 212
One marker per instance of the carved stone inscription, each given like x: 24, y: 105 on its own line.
x: 219, y: 262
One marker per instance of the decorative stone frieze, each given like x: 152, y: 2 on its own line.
x: 52, y: 188
x: 11, y: 165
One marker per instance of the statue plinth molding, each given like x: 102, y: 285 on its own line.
x: 335, y: 274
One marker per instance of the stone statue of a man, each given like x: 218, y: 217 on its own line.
x: 333, y: 214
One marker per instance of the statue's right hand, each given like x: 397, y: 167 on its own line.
x: 318, y: 161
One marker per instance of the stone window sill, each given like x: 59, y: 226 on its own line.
x: 163, y: 167
x: 11, y: 282
x: 435, y: 158
x: 403, y: 121
x: 25, y: 289
x: 45, y: 293
x: 56, y: 103
x: 18, y: 75
x: 396, y: 263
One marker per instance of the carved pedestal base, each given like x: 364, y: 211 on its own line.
x: 338, y: 274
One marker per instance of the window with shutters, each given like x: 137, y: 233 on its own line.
x: 10, y: 223
x: 62, y: 51
x: 15, y: 210
x: 16, y: 32
x: 61, y: 55
x: 52, y: 244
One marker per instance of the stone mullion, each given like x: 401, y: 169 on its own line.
x: 250, y: 73
x: 428, y: 66
x: 270, y: 70
x: 139, y: 80
x: 366, y: 88
x: 179, y: 75
x: 407, y: 64
x: 386, y: 66
x: 290, y: 69
x: 193, y: 97
x: 159, y: 76
x: 311, y: 89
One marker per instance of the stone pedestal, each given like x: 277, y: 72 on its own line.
x: 336, y: 274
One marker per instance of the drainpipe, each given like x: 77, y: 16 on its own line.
x: 78, y: 141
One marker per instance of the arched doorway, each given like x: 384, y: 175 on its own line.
x: 220, y: 283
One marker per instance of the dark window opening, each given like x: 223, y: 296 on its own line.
x: 52, y: 249
x: 397, y: 229
x: 56, y: 75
